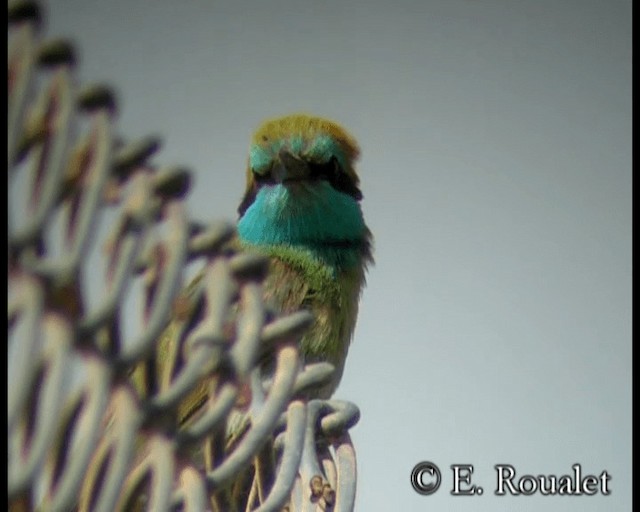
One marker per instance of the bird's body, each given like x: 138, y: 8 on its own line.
x: 302, y: 209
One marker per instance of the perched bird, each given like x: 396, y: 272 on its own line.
x: 301, y: 208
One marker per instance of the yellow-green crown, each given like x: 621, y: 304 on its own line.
x: 310, y: 137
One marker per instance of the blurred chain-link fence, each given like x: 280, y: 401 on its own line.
x: 94, y: 422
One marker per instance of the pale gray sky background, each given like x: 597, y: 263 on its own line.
x: 496, y: 168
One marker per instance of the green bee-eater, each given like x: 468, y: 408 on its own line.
x: 301, y: 209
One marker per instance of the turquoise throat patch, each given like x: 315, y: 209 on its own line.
x: 313, y: 217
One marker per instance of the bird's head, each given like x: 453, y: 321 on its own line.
x: 302, y: 188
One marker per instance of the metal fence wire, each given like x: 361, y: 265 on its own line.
x: 95, y: 422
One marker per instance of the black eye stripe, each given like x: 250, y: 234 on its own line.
x: 265, y: 178
x: 343, y: 184
x: 247, y: 200
x: 337, y: 178
x: 329, y: 171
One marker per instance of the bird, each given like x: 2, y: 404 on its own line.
x: 301, y: 209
